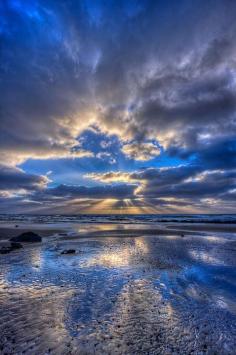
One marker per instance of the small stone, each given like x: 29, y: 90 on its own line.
x: 69, y: 251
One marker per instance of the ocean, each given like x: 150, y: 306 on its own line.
x: 119, y: 218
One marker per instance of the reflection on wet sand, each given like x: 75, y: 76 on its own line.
x: 33, y: 319
x: 36, y: 257
x: 120, y: 295
x: 206, y: 257
x: 120, y: 256
x: 111, y: 259
x: 109, y: 227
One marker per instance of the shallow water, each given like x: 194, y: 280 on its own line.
x: 124, y: 295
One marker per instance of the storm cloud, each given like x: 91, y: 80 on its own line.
x: 191, y: 184
x: 15, y: 179
x: 66, y: 191
x: 153, y: 78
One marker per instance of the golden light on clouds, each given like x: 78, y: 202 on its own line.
x: 112, y: 205
x: 121, y: 206
x: 112, y: 176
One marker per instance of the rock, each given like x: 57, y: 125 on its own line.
x: 5, y: 249
x: 16, y: 245
x: 27, y: 237
x: 69, y: 251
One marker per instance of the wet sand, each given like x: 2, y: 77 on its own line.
x: 209, y: 227
x: 126, y: 290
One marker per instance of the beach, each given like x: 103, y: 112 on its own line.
x: 124, y: 289
x: 117, y: 177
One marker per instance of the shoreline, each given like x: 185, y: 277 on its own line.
x: 71, y: 230
x: 121, y: 284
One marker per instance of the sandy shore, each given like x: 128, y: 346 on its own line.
x: 9, y: 230
x: 209, y: 227
x: 125, y: 290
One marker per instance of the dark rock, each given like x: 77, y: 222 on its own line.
x: 16, y: 245
x: 5, y: 249
x: 27, y: 237
x: 69, y: 251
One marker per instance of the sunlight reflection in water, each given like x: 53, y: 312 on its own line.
x: 116, y: 291
x: 120, y: 256
x: 206, y: 257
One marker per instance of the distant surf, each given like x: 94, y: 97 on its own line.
x: 120, y: 218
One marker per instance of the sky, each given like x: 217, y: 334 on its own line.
x: 117, y: 106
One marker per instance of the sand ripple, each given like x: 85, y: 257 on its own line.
x: 145, y: 295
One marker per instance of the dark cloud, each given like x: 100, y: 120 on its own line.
x: 204, y: 185
x: 191, y: 183
x: 40, y: 81
x: 100, y: 192
x: 67, y: 199
x: 217, y: 152
x: 164, y: 189
x: 60, y: 66
x: 15, y: 179
x: 219, y: 49
x: 160, y: 75
x: 187, y: 108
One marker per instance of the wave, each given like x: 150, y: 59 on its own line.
x: 123, y: 219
